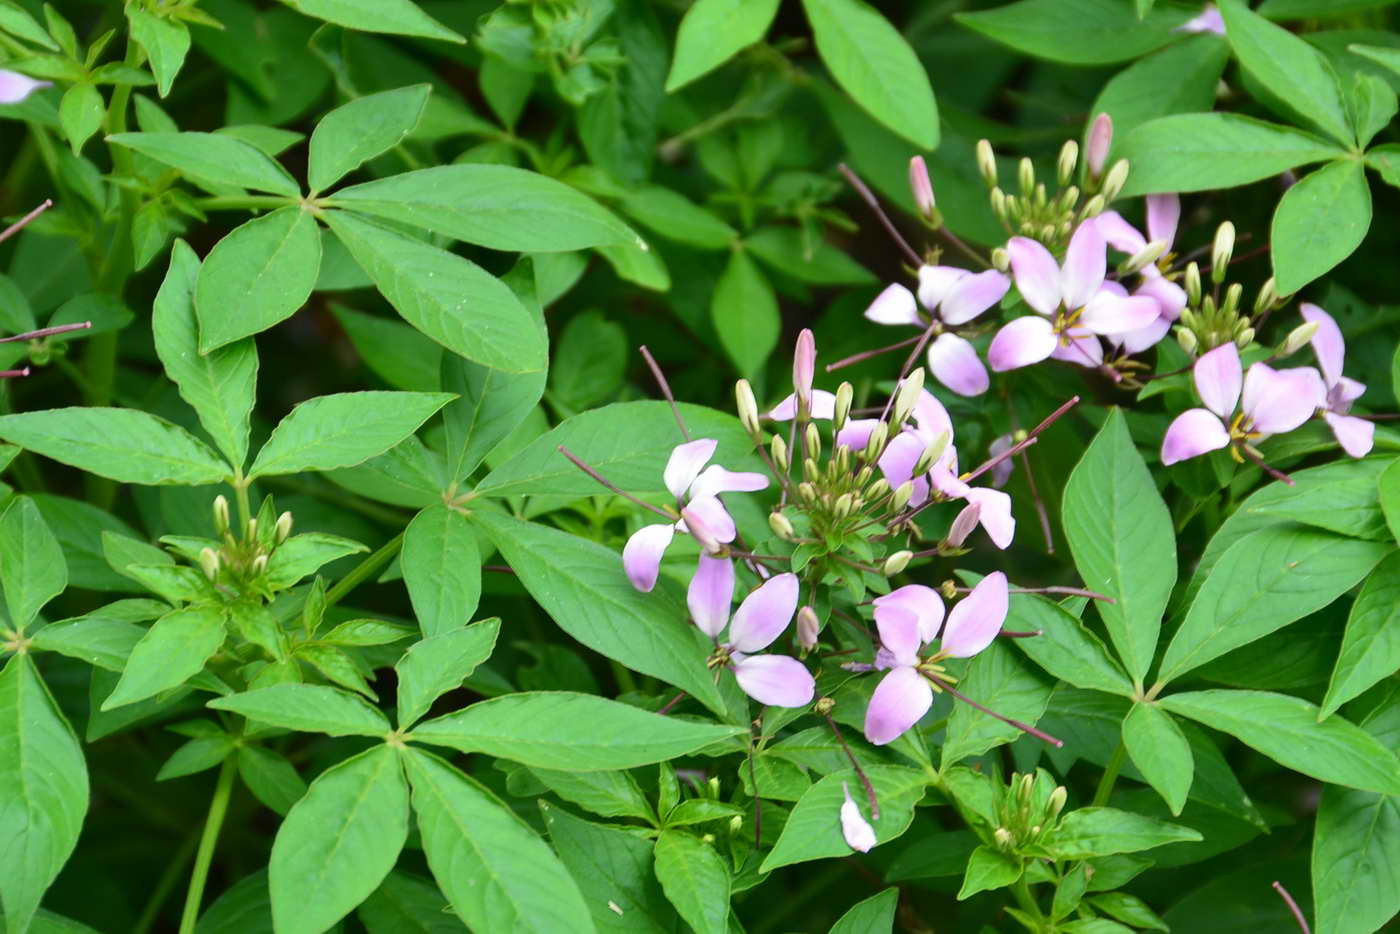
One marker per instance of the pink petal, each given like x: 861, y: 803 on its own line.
x: 1119, y: 234
x: 901, y: 698
x: 823, y: 406
x: 15, y: 87
x: 764, y: 614
x: 1096, y: 149
x: 685, y: 462
x: 804, y: 363
x: 1163, y: 213
x: 972, y: 295
x: 1020, y: 343
x: 1347, y: 391
x: 1108, y: 313
x: 931, y: 417
x: 641, y: 556
x: 1083, y: 349
x: 935, y: 282
x: 922, y: 601
x: 995, y: 515
x: 955, y: 364
x: 856, y: 433
x: 1217, y: 375
x: 1191, y: 434
x: 920, y: 186
x: 1086, y: 262
x: 1170, y: 297
x: 715, y: 479
x: 710, y: 594
x: 1327, y: 343
x: 1355, y: 435
x: 978, y: 617
x: 859, y: 834
x: 899, y: 633
x: 944, y: 477
x: 901, y: 455
x: 706, y: 518
x: 963, y: 523
x: 1280, y: 400
x: 895, y: 305
x: 1037, y: 275
x: 1143, y: 338
x: 1209, y: 20
x: 776, y: 680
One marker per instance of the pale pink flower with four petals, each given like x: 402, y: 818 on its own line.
x: 763, y: 615
x: 1355, y: 435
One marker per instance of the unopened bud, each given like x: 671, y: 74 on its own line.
x: 1143, y: 258
x: 810, y: 468
x: 863, y: 475
x: 845, y: 393
x: 878, y: 489
x: 1298, y: 338
x: 1221, y: 251
x: 1001, y: 260
x: 824, y: 706
x: 284, y: 527
x: 931, y: 454
x: 1187, y: 339
x: 1114, y: 181
x: 897, y: 562
x: 781, y: 525
x: 1003, y: 838
x: 999, y: 205
x: 779, y: 451
x: 258, y: 565
x: 902, y: 495
x: 1025, y: 176
x: 1100, y: 141
x: 220, y: 514
x: 813, y: 438
x: 1069, y: 160
x: 1267, y: 297
x: 252, y: 530
x: 1027, y: 785
x: 1093, y: 207
x: 921, y: 187
x: 1035, y: 830
x: 736, y: 824
x: 747, y: 407
x: 209, y: 562
x: 1232, y: 298
x: 1191, y: 282
x: 842, y: 507
x: 1056, y: 802
x: 906, y: 395
x: 949, y: 589
x: 807, y: 491
x: 1068, y: 198
x: 808, y: 628
x: 963, y: 525
x: 876, y: 445
x: 1244, y: 338
x: 1042, y: 197
x: 987, y: 163
x: 804, y: 367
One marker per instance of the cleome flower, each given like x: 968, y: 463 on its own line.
x: 1163, y: 213
x: 1355, y: 435
x: 777, y: 680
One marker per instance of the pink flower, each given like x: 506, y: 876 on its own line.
x: 696, y: 489
x: 904, y: 695
x: 1208, y: 20
x: 1163, y: 213
x: 1071, y: 303
x: 1355, y: 435
x: 921, y: 187
x: 1100, y: 140
x: 769, y: 679
x: 804, y: 365
x: 15, y: 87
x: 1274, y: 401
x: 855, y: 828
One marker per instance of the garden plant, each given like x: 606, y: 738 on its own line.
x: 577, y: 466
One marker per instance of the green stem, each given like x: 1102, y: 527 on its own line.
x: 1110, y: 775
x: 165, y: 885
x: 218, y: 807
x: 1024, y: 898
x: 240, y: 492
x: 364, y: 569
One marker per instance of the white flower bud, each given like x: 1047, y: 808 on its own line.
x: 747, y: 407
x: 252, y: 530
x: 1221, y: 251
x: 987, y: 163
x: 258, y: 566
x: 1093, y: 207
x: 814, y: 440
x: 1025, y: 176
x: 209, y: 562
x: 1244, y: 338
x: 1068, y: 161
x: 1114, y: 181
x: 1003, y: 838
x: 999, y: 205
x: 284, y: 527
x: 842, y: 507
x: 931, y: 454
x: 876, y: 445
x: 1056, y: 804
x: 897, y: 562
x: 901, y: 496
x: 808, y: 628
x: 906, y: 395
x: 1191, y: 282
x: 1267, y: 297
x: 780, y: 525
x: 878, y: 489
x: 845, y: 393
x: 1298, y: 338
x: 922, y: 188
x: 1143, y: 258
x: 220, y: 514
x: 779, y: 451
x: 1187, y: 339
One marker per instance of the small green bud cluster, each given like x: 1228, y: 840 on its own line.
x: 239, y: 562
x: 1033, y: 211
x: 1216, y: 318
x: 1027, y: 808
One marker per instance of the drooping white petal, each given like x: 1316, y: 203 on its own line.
x: 994, y: 515
x: 685, y: 463
x: 764, y: 614
x: 895, y: 305
x: 1143, y: 338
x: 935, y: 282
x: 973, y: 294
x: 900, y: 700
x: 1191, y: 434
x: 1083, y: 349
x: 1036, y: 273
x: 901, y: 455
x: 776, y: 680
x: 641, y: 556
x: 1217, y: 376
x: 1170, y: 297
x: 859, y: 835
x: 955, y: 364
x: 1086, y: 263
x: 710, y: 594
x: 716, y: 479
x: 977, y: 618
x: 1020, y: 343
x: 1355, y: 435
x: 1280, y: 400
x: 931, y: 417
x: 1343, y: 393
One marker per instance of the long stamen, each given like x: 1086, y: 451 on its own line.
x: 868, y: 354
x: 24, y: 221
x: 1258, y: 461
x: 573, y: 459
x: 1292, y: 907
x: 873, y: 203
x: 860, y: 772
x: 11, y: 374
x: 1023, y: 727
x: 46, y: 332
x: 665, y: 390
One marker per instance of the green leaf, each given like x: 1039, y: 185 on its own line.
x: 581, y: 585
x: 1385, y: 161
x: 341, y: 430
x: 1095, y: 831
x: 171, y: 652
x: 542, y: 728
x: 1120, y: 533
x: 712, y: 32
x: 1286, y: 729
x: 1261, y: 584
x: 17, y: 22
x: 871, y: 916
x: 1388, y: 484
x: 1355, y: 842
x: 987, y: 870
x: 43, y: 790
x: 1371, y: 647
x: 405, y: 904
x: 307, y: 708
x: 394, y: 17
x: 354, y: 133
x: 166, y: 41
x: 1066, y: 649
x: 1289, y: 67
x: 610, y: 794
x: 807, y: 259
x: 491, y: 866
x: 198, y: 755
x: 270, y: 777
x: 1160, y: 751
x: 32, y: 568
x: 671, y: 215
x: 447, y: 297
x: 221, y: 385
x: 871, y: 62
x: 125, y: 445
x: 495, y: 206
x: 395, y: 352
x: 442, y: 568
x: 1178, y: 79
x: 813, y: 829
x: 612, y: 867
x: 339, y: 841
x: 1199, y: 152
x: 490, y: 404
x: 103, y: 642
x: 212, y: 158
x: 590, y: 361
x: 80, y: 113
x: 620, y: 125
x: 1348, y: 503
x: 440, y: 663
x: 744, y: 310
x: 305, y: 554
x: 1000, y: 679
x: 1077, y: 32
x: 265, y: 269
x: 695, y: 880
x: 1320, y: 221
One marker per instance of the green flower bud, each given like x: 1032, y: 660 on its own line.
x: 221, y: 514
x: 1187, y: 339
x: 781, y: 525
x: 747, y: 407
x: 209, y: 562
x: 1068, y: 161
x: 1025, y: 176
x: 897, y: 562
x: 1001, y: 260
x: 1221, y: 251
x: 844, y: 394
x: 1192, y: 284
x: 1143, y: 258
x: 779, y: 451
x: 1298, y: 338
x: 1114, y: 181
x: 284, y: 527
x: 987, y: 163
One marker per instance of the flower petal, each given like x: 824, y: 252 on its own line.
x: 1327, y: 343
x: 764, y: 614
x: 1163, y: 213
x: 1280, y: 400
x: 1108, y: 313
x: 823, y: 406
x: 1086, y: 262
x: 900, y: 700
x: 859, y: 834
x: 955, y: 364
x: 923, y: 602
x: 1191, y: 434
x: 776, y: 680
x: 1217, y: 375
x: 936, y: 281
x: 901, y: 455
x: 856, y: 433
x: 895, y: 305
x: 15, y: 87
x: 706, y: 518
x: 1170, y: 297
x: 1355, y: 435
x: 977, y: 618
x: 641, y: 556
x: 804, y: 363
x: 899, y: 633
x: 710, y: 594
x: 1083, y: 349
x: 685, y: 462
x: 1036, y: 273
x: 1119, y: 234
x: 1020, y: 343
x: 715, y: 479
x: 1347, y: 391
x: 995, y: 515
x: 971, y: 295
x: 931, y: 417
